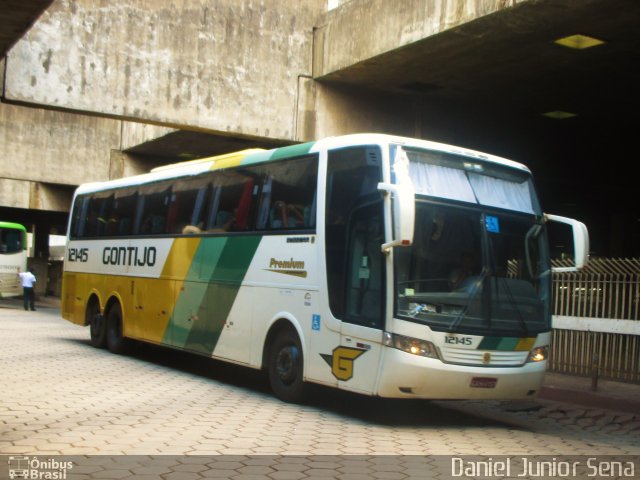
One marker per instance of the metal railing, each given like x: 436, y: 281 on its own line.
x: 606, y: 288
x: 596, y: 320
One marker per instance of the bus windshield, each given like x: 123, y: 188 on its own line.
x: 475, y: 271
x: 455, y: 177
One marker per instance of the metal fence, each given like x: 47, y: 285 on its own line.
x: 597, y: 320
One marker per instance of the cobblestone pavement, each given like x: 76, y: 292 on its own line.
x: 60, y: 396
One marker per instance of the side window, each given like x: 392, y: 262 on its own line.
x: 365, y: 267
x: 11, y: 240
x: 187, y: 206
x: 79, y: 217
x: 122, y: 214
x: 353, y: 175
x: 232, y: 201
x: 97, y: 217
x: 151, y: 212
x: 288, y: 195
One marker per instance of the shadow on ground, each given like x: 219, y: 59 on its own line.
x: 381, y: 411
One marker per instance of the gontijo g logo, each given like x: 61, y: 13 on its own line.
x: 341, y: 361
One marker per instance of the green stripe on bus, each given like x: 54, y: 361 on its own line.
x: 277, y: 154
x: 190, y: 305
x: 498, y: 343
x: 292, y: 151
x: 220, y: 265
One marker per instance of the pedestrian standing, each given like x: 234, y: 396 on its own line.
x: 28, y: 279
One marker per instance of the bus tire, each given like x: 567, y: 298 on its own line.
x: 116, y: 343
x: 286, y: 367
x: 97, y: 327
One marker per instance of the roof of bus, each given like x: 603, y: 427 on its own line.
x: 257, y: 155
x: 14, y: 226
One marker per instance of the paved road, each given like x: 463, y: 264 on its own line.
x: 60, y: 396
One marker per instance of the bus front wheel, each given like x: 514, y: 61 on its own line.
x: 286, y: 367
x: 116, y: 343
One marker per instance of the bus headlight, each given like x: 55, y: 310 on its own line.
x: 414, y: 346
x: 539, y: 354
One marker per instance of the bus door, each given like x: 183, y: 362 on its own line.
x: 358, y: 357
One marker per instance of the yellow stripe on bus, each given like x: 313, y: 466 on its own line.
x: 180, y: 257
x: 525, y: 344
x: 233, y: 161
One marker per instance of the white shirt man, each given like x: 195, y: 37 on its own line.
x: 28, y: 279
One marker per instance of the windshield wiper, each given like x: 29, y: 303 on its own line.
x: 472, y: 295
x: 534, y: 231
x: 513, y: 302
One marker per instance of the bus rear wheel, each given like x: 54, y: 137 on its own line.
x: 286, y: 367
x: 116, y: 343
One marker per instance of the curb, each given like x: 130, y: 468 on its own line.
x: 590, y: 399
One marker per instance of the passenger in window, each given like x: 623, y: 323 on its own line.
x: 112, y: 224
x: 191, y: 229
x: 295, y: 216
x: 224, y: 221
x: 287, y: 216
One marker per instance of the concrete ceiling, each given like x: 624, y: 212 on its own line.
x: 16, y: 17
x: 504, y: 65
x: 508, y: 64
x: 186, y: 145
x: 501, y: 73
x: 486, y: 85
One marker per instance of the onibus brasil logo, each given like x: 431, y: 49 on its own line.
x: 38, y: 469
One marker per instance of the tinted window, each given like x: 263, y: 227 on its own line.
x: 232, y: 201
x: 11, y: 241
x: 152, y: 208
x: 189, y: 201
x: 274, y: 196
x: 352, y: 182
x: 97, y: 216
x: 288, y: 195
x: 122, y: 215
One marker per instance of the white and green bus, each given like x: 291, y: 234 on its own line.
x: 376, y: 264
x: 13, y: 257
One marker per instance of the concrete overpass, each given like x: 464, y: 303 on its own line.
x: 99, y: 90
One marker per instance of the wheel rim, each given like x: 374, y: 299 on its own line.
x: 287, y: 363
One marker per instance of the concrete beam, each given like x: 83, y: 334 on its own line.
x: 125, y: 165
x: 53, y: 198
x: 134, y: 134
x: 55, y: 147
x: 14, y: 193
x: 341, y: 110
x: 361, y: 30
x: 34, y: 195
x: 224, y: 65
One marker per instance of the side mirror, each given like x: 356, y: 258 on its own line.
x: 404, y: 212
x: 580, y: 242
x: 403, y: 201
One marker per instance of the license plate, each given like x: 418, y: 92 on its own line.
x: 483, y: 382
